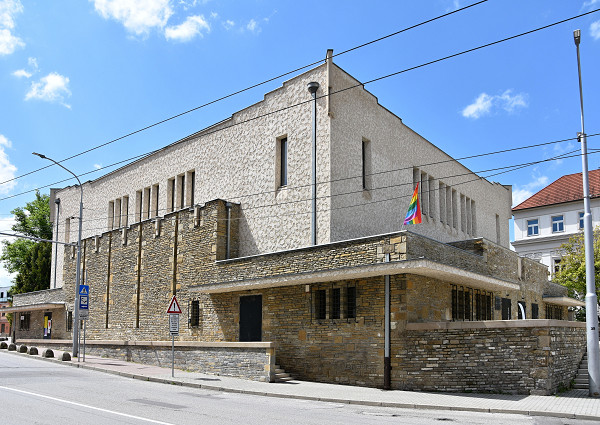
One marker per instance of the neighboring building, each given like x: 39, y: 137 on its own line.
x: 222, y: 219
x: 4, y: 303
x: 547, y: 219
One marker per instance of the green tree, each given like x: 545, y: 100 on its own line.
x: 572, y: 265
x: 29, y: 259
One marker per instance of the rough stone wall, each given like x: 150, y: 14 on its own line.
x: 45, y: 296
x: 523, y: 360
x: 254, y: 363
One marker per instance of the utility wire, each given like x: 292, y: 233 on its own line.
x: 206, y: 133
x: 501, y: 170
x: 247, y: 89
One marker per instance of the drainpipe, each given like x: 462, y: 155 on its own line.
x: 387, y: 362
x: 57, y: 202
x: 312, y: 88
x: 228, y: 232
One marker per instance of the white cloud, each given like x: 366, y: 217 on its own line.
x: 51, y: 88
x: 137, y: 16
x: 595, y: 30
x: 192, y: 27
x: 228, y: 24
x: 8, y: 41
x: 590, y: 3
x: 484, y: 104
x: 7, y: 170
x: 20, y: 73
x: 521, y: 193
x: 97, y: 166
x: 214, y: 15
x: 252, y: 26
x: 481, y: 106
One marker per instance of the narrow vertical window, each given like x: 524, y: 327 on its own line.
x: 111, y: 215
x: 181, y: 193
x: 336, y: 302
x: 535, y: 311
x: 67, y: 230
x: 522, y: 312
x: 351, y: 302
x: 442, y: 198
x: 498, y: 235
x: 192, y: 182
x: 118, y: 213
x: 366, y: 164
x: 283, y: 162
x: 195, y: 313
x: 424, y: 194
x: 321, y: 304
x: 171, y: 195
x: 125, y: 211
x: 432, y: 197
x: 473, y: 218
x: 138, y: 206
x: 155, y: 193
x: 147, y: 203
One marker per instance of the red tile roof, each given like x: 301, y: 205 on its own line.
x: 566, y: 189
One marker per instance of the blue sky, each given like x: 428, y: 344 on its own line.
x: 76, y: 74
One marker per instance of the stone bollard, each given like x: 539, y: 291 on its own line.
x: 12, y: 347
x: 66, y: 357
x: 22, y: 349
x: 47, y: 353
x: 3, y: 345
x: 33, y: 351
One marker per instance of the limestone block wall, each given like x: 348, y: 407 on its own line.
x: 524, y: 357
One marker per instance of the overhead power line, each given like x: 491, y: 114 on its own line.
x: 247, y: 89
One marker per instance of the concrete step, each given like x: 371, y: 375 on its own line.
x: 282, y: 375
x: 581, y: 387
x: 289, y: 378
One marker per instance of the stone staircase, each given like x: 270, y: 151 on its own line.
x: 282, y: 376
x: 581, y: 380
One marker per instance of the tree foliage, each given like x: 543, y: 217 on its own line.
x: 572, y: 265
x: 29, y: 259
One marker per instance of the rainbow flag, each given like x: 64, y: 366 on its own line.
x: 413, y: 216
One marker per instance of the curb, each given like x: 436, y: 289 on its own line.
x: 398, y: 405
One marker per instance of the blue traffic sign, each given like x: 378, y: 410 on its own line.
x: 84, y: 293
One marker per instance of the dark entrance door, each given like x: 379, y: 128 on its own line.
x: 506, y: 313
x: 251, y: 318
x: 47, y: 325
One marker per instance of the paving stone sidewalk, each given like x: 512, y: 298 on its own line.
x: 573, y: 404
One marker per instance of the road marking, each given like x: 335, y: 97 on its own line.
x: 85, y: 405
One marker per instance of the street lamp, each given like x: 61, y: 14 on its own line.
x: 78, y: 266
x: 591, y: 301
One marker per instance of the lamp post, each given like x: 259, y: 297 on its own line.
x: 591, y: 301
x: 78, y: 266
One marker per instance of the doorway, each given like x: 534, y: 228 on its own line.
x: 47, y: 325
x: 251, y: 318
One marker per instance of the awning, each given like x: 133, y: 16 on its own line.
x: 33, y: 307
x: 421, y: 267
x: 569, y: 302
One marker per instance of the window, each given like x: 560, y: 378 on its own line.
x: 195, y: 313
x: 581, y: 220
x: 2, y: 328
x: 111, y: 215
x: 336, y: 301
x: 24, y: 322
x: 483, y: 305
x: 533, y: 227
x: 506, y: 309
x: 558, y: 224
x: 534, y: 311
x: 125, y: 211
x: 146, y: 211
x: 283, y: 161
x: 138, y: 206
x: 554, y: 312
x: 69, y: 321
x: 181, y: 193
x: 68, y: 230
x: 461, y: 303
x: 321, y: 304
x: 556, y: 265
x: 366, y: 164
x: 351, y: 302
x: 522, y: 311
x: 192, y: 183
x: 171, y: 195
x: 155, y: 191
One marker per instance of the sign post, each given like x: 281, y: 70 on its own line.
x: 173, y: 311
x: 84, y: 311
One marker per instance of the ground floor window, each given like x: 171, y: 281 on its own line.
x: 24, y: 322
x: 554, y: 312
x: 336, y: 303
x: 471, y: 304
x: 351, y: 302
x: 321, y: 304
x: 69, y: 321
x: 194, y: 312
x: 535, y: 311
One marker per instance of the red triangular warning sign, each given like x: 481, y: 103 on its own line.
x: 174, y: 307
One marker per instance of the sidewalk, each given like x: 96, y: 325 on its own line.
x: 574, y: 404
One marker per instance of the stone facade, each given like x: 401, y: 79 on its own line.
x: 238, y: 160
x: 132, y: 280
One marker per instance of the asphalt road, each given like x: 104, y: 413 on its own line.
x: 33, y: 391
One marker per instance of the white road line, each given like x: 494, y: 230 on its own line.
x: 85, y: 405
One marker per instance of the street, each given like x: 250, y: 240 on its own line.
x: 41, y: 392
